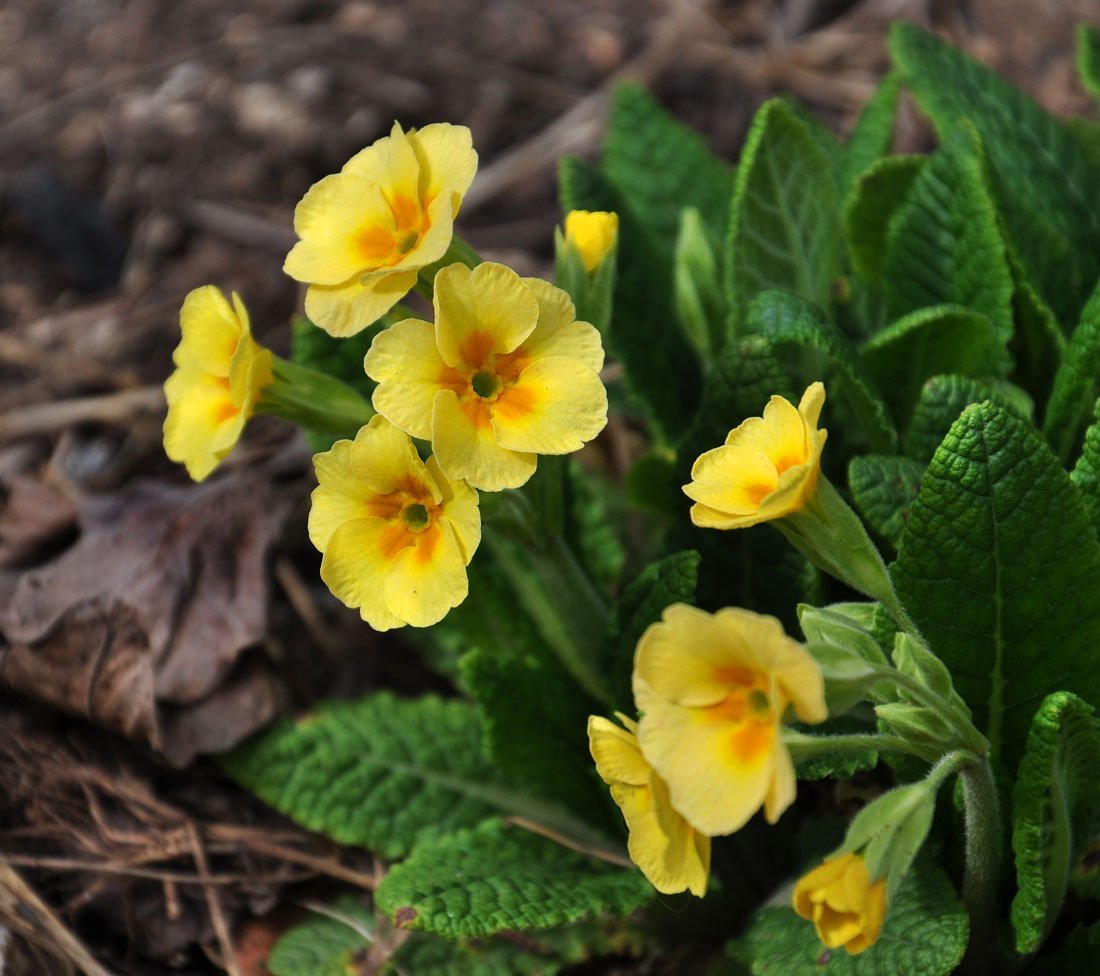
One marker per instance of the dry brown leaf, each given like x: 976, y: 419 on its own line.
x: 142, y: 625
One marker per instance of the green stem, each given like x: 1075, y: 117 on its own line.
x: 314, y: 400
x: 804, y: 746
x: 982, y: 817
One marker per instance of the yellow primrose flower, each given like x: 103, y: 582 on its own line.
x: 669, y: 851
x: 593, y: 233
x: 367, y: 230
x: 220, y: 373
x: 767, y: 468
x: 847, y: 909
x: 396, y: 534
x: 713, y: 690
x: 506, y: 374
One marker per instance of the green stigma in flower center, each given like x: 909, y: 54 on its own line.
x: 485, y: 383
x: 758, y: 703
x: 408, y: 242
x: 415, y: 516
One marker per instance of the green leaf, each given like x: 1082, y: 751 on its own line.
x: 1088, y: 58
x: 379, y: 772
x: 1044, y: 179
x: 643, y: 334
x: 835, y: 765
x: 784, y: 227
x: 872, y: 202
x: 785, y: 319
x: 661, y: 166
x: 669, y: 580
x: 944, y: 245
x: 1005, y: 593
x: 495, y: 878
x: 924, y: 935
x: 884, y: 487
x: 1075, y: 383
x: 1056, y: 807
x: 1086, y: 473
x: 873, y: 134
x: 326, y: 943
x: 930, y: 341
x: 1039, y: 342
x: 941, y: 401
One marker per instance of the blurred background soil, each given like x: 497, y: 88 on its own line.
x: 150, y: 147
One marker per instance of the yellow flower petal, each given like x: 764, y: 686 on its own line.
x: 838, y: 896
x: 558, y: 332
x: 385, y: 460
x: 734, y: 481
x: 783, y: 786
x: 555, y: 407
x: 465, y: 446
x: 428, y: 578
x: 460, y: 502
x: 447, y: 160
x: 593, y: 233
x: 343, y: 310
x: 406, y: 364
x: 211, y: 330
x: 339, y: 496
x: 390, y: 163
x: 616, y: 753
x: 202, y: 424
x: 357, y: 564
x: 481, y: 312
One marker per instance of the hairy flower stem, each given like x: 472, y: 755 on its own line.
x: 983, y: 838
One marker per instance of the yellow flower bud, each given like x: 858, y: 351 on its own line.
x: 220, y: 373
x: 846, y: 907
x: 767, y: 468
x: 593, y: 233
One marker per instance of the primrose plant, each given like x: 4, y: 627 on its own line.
x: 901, y: 680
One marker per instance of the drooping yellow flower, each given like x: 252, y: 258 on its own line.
x: 367, y: 230
x: 220, y: 373
x: 671, y: 853
x: 767, y: 468
x: 594, y: 233
x: 396, y: 534
x: 846, y: 907
x: 506, y: 374
x: 713, y: 690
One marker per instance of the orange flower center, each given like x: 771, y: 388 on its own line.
x: 382, y: 246
x: 750, y: 709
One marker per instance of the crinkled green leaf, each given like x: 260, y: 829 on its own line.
x: 594, y: 522
x: 884, y: 487
x: 785, y: 226
x: 643, y: 335
x: 1076, y: 382
x: 944, y: 245
x: 1086, y: 472
x: 873, y: 200
x: 669, y: 580
x: 662, y: 166
x: 1088, y: 58
x: 836, y: 765
x: 941, y: 401
x: 495, y: 878
x: 785, y: 319
x: 873, y: 134
x: 326, y: 943
x: 1039, y: 342
x: 1044, y: 180
x: 928, y: 342
x: 1055, y: 808
x: 924, y: 935
x: 379, y: 772
x: 1007, y: 593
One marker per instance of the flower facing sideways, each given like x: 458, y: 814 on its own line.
x: 593, y: 233
x: 220, y: 373
x: 767, y: 468
x: 367, y: 230
x: 713, y: 690
x: 669, y: 851
x: 506, y: 374
x: 396, y: 534
x: 847, y: 909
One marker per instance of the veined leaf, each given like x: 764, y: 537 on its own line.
x: 1006, y: 594
x: 871, y: 204
x: 944, y: 245
x: 924, y: 934
x: 380, y: 772
x: 1075, y: 383
x: 785, y: 319
x: 661, y: 166
x: 1039, y: 342
x: 873, y: 134
x: 928, y: 342
x: 941, y: 401
x: 884, y: 487
x: 1088, y: 58
x: 1045, y: 181
x: 1086, y: 473
x: 1056, y: 806
x: 326, y: 943
x: 784, y: 227
x: 643, y: 334
x: 495, y: 878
